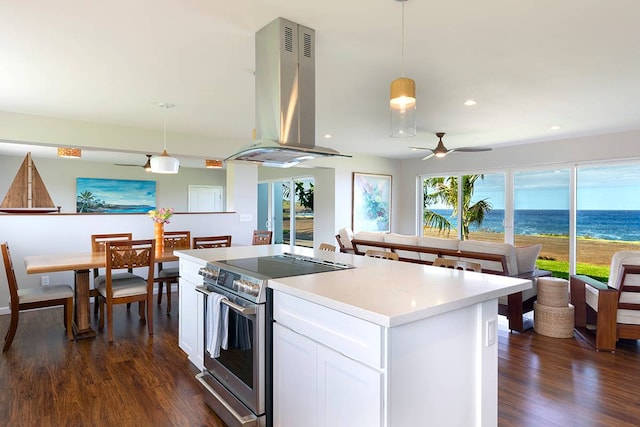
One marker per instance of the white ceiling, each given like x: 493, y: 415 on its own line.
x: 530, y: 64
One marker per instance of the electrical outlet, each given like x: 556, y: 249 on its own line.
x: 44, y: 280
x: 491, y: 333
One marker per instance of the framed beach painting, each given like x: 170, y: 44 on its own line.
x: 97, y: 195
x: 371, y: 202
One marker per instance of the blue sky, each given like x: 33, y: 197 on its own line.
x: 599, y: 188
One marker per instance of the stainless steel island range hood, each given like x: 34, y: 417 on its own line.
x: 285, y: 97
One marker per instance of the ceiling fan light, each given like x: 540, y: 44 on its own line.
x: 164, y: 164
x: 147, y: 166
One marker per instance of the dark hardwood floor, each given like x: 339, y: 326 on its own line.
x: 142, y: 381
x: 546, y: 381
x: 136, y: 381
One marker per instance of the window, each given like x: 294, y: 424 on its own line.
x: 481, y: 198
x: 607, y: 217
x: 541, y: 216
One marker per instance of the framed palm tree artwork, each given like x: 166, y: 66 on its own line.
x: 371, y: 202
x: 97, y: 195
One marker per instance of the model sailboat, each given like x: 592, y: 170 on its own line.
x: 27, y: 193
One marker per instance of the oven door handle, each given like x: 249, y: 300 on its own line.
x: 247, y: 311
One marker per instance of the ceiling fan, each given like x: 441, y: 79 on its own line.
x: 441, y: 150
x: 146, y: 166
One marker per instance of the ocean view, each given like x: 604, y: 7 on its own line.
x: 617, y: 225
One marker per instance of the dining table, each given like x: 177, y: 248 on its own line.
x: 81, y: 264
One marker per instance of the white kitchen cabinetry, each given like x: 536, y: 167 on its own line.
x: 333, y: 369
x: 322, y: 384
x: 191, y: 320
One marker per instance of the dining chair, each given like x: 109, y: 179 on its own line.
x: 167, y: 276
x: 262, y: 237
x: 326, y: 247
x: 381, y: 254
x: 127, y: 255
x: 205, y: 242
x: 39, y: 297
x: 98, y: 245
x: 457, y: 264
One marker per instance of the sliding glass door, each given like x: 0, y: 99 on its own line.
x: 286, y: 208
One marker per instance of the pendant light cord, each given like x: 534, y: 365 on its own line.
x: 165, y: 107
x: 164, y: 127
x: 402, y: 40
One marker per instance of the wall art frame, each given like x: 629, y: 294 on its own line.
x: 98, y: 195
x: 371, y: 202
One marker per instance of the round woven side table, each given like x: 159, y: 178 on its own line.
x: 553, y: 316
x: 553, y: 291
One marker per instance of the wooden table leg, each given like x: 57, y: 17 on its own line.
x: 82, y: 322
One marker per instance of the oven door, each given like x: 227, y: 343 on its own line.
x: 240, y: 368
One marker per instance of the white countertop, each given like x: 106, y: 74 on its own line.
x: 387, y: 293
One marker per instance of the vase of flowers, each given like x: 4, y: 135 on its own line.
x: 160, y: 217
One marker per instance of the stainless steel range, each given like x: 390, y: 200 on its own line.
x: 237, y: 355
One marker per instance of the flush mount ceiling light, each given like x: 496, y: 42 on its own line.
x: 402, y: 101
x: 212, y: 164
x: 69, y: 153
x: 164, y: 163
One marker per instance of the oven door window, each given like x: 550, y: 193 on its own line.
x: 238, y: 357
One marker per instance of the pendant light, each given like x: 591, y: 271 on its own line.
x: 164, y: 163
x: 402, y: 101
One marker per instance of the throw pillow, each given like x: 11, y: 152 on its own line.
x: 526, y: 257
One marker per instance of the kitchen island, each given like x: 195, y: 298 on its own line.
x: 384, y: 344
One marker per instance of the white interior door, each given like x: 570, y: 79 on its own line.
x: 205, y: 198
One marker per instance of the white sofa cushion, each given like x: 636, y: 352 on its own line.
x: 370, y: 236
x: 505, y: 249
x: 438, y: 243
x: 620, y: 258
x: 346, y: 234
x: 631, y: 317
x: 402, y: 239
x: 526, y: 257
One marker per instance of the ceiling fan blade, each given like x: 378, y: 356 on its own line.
x: 419, y: 148
x: 146, y: 166
x: 429, y: 156
x: 472, y: 149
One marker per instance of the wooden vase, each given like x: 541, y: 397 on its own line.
x: 159, y: 234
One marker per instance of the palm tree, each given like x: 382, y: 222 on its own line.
x: 445, y: 191
x: 85, y: 200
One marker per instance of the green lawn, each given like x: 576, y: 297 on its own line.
x: 561, y: 269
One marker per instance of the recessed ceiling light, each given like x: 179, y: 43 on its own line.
x: 470, y: 102
x: 327, y: 136
x: 554, y: 127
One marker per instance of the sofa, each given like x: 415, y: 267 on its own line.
x: 495, y: 258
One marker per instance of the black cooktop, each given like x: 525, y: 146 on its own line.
x: 277, y: 266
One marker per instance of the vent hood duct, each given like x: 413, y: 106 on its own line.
x: 285, y: 97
